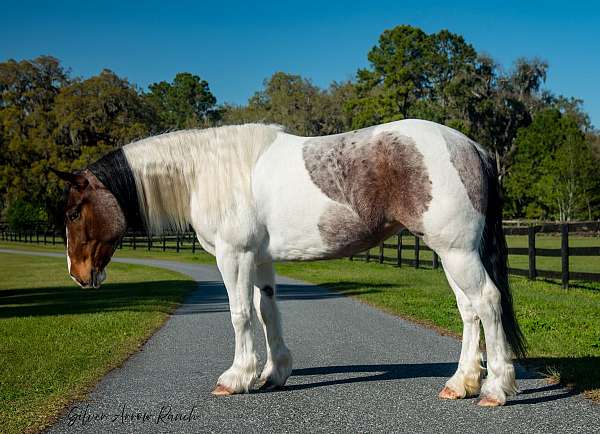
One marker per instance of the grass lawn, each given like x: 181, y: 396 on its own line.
x: 57, y: 340
x: 561, y: 326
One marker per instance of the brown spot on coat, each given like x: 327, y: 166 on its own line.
x: 380, y: 183
x: 467, y: 160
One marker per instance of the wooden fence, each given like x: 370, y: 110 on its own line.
x: 177, y: 241
x: 564, y: 252
x: 531, y: 251
x: 187, y: 241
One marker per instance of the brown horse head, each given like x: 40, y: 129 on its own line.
x: 94, y: 224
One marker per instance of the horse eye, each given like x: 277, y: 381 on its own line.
x: 73, y: 215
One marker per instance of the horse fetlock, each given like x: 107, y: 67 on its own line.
x: 465, y: 384
x: 277, y: 370
x: 239, y: 379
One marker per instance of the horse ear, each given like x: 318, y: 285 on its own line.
x: 77, y: 180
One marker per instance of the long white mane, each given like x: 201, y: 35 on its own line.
x: 214, y: 164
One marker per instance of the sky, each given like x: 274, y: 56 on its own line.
x: 235, y: 45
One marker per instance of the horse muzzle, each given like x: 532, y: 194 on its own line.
x: 95, y: 280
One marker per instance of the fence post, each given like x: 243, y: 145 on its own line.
x: 53, y: 237
x: 177, y: 248
x: 368, y: 255
x: 381, y: 253
x: 531, y: 252
x: 564, y: 254
x: 134, y: 243
x: 164, y: 243
x: 149, y: 235
x: 417, y: 248
x: 435, y: 262
x: 194, y: 244
x: 399, y: 249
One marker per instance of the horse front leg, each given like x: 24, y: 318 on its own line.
x: 279, y: 359
x: 238, y: 268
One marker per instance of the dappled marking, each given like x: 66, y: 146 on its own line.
x: 379, y: 183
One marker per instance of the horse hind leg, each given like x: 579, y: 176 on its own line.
x: 467, y: 271
x: 466, y: 381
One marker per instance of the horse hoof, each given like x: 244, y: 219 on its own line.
x: 489, y: 402
x: 448, y: 393
x: 221, y: 390
x: 267, y: 385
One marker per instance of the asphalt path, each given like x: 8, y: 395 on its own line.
x: 356, y: 369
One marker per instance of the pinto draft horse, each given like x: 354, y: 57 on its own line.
x: 255, y: 194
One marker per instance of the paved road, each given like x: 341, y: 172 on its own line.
x: 356, y: 370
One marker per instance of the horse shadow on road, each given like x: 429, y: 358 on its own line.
x: 351, y: 374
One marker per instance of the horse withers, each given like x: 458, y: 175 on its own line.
x: 255, y: 194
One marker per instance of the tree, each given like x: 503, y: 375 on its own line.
x: 187, y: 102
x: 412, y: 74
x: 554, y: 174
x: 28, y: 90
x: 297, y: 104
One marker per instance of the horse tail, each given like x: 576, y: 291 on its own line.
x: 494, y: 255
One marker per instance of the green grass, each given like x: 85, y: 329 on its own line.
x: 58, y: 340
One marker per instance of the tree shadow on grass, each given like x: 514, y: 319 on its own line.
x: 63, y: 300
x: 211, y: 297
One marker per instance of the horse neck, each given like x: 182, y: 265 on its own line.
x: 165, y: 172
x: 214, y: 166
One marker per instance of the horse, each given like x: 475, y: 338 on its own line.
x: 255, y: 194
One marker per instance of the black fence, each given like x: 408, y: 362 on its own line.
x: 46, y: 235
x: 408, y: 242
x: 404, y: 241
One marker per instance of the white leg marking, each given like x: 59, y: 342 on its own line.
x: 468, y: 273
x: 467, y: 379
x: 237, y: 269
x: 279, y: 359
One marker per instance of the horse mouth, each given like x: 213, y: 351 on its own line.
x: 96, y: 279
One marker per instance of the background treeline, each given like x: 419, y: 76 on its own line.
x: 547, y: 152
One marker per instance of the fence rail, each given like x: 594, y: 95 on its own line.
x: 531, y: 251
x: 186, y: 241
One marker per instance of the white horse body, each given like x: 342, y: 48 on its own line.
x: 289, y: 204
x: 257, y: 195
